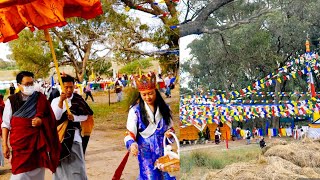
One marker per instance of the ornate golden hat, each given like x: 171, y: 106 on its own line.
x: 146, y: 82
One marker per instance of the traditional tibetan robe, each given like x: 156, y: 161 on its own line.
x: 149, y: 139
x: 1, y: 113
x: 72, y: 165
x: 33, y: 148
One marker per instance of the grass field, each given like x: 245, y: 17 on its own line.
x: 198, y: 162
x: 8, y: 75
x: 115, y: 116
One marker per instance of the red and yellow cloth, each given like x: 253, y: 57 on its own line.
x: 15, y: 15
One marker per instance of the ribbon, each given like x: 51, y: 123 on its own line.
x: 118, y: 172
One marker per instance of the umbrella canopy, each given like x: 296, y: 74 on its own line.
x: 15, y: 15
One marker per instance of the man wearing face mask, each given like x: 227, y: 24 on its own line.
x: 33, y: 135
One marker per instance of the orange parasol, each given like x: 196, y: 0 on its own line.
x: 15, y: 15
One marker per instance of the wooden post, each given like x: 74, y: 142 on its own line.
x: 227, y: 140
x: 109, y: 95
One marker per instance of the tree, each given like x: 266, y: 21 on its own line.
x: 162, y: 36
x: 203, y: 12
x: 235, y: 58
x: 134, y: 66
x: 81, y: 41
x: 31, y: 53
x: 7, y: 65
x: 101, y: 67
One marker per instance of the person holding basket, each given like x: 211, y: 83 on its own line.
x: 149, y: 127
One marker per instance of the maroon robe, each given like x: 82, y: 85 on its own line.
x: 1, y: 113
x: 35, y: 147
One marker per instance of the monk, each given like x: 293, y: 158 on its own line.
x: 33, y: 135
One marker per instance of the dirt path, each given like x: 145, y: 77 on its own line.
x: 104, y: 154
x: 105, y: 150
x: 237, y: 144
x: 231, y: 145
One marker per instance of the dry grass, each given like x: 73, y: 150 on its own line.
x: 273, y: 168
x: 281, y: 160
x: 303, y: 154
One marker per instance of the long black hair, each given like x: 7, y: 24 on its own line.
x: 159, y: 102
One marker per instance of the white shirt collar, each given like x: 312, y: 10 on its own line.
x: 69, y: 99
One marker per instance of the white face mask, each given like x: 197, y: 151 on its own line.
x: 28, y: 90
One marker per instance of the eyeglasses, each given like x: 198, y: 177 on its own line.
x: 27, y: 84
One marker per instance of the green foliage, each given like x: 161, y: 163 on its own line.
x: 7, y: 65
x: 127, y: 32
x: 75, y: 43
x: 133, y: 67
x: 236, y: 57
x: 201, y: 134
x: 30, y: 52
x: 101, y: 67
x: 114, y: 115
x: 131, y: 96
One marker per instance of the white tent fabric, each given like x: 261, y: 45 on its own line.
x: 314, y: 133
x: 289, y: 131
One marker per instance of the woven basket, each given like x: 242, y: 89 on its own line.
x: 166, y: 164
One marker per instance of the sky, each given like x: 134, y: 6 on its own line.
x: 4, y: 49
x: 185, y: 55
x: 148, y: 19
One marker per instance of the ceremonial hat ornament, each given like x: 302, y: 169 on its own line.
x: 146, y: 82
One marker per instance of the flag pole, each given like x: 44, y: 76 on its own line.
x: 48, y: 37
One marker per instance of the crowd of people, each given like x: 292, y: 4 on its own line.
x: 296, y: 133
x: 255, y: 134
x: 36, y: 129
x: 165, y: 83
x: 45, y: 126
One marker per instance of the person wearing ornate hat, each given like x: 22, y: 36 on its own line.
x: 149, y: 120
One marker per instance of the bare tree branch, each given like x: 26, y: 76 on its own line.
x: 132, y: 4
x: 199, y: 27
x: 196, y: 26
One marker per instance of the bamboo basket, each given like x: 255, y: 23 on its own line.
x: 167, y: 164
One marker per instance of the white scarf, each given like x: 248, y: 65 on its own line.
x: 153, y: 121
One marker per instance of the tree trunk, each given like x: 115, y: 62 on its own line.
x: 197, y: 25
x: 86, y: 57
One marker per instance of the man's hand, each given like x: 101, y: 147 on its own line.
x: 5, y: 151
x: 36, y: 122
x: 134, y: 149
x: 70, y: 117
x: 63, y: 96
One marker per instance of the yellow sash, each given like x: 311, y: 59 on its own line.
x: 87, y: 126
x: 62, y: 130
